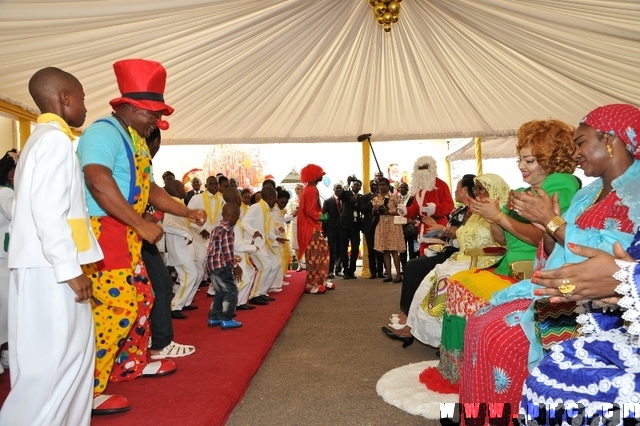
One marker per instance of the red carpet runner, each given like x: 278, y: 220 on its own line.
x: 209, y: 383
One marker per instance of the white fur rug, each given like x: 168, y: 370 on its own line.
x: 401, y: 388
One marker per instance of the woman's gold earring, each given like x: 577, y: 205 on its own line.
x: 610, y: 150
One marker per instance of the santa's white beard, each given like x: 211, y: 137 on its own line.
x: 422, y: 180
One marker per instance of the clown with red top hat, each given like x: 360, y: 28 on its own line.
x: 142, y: 85
x: 119, y: 178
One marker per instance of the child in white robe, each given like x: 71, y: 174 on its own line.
x: 51, y: 329
x: 258, y: 225
x: 180, y: 253
x: 243, y: 246
x: 211, y: 201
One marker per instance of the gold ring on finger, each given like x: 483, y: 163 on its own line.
x: 566, y: 287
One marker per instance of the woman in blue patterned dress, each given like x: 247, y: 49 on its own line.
x: 602, y: 366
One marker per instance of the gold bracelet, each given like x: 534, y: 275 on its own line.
x: 500, y: 216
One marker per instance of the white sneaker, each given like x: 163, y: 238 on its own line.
x: 4, y: 359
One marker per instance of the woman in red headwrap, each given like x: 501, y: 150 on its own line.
x: 311, y: 240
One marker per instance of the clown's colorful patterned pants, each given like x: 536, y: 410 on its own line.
x: 121, y: 302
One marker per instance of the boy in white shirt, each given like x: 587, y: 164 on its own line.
x: 242, y: 247
x: 258, y: 225
x: 181, y: 253
x: 51, y: 330
x: 211, y: 201
x: 282, y: 249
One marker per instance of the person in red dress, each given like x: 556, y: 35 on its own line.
x: 311, y: 240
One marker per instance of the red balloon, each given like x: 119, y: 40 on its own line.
x: 163, y: 125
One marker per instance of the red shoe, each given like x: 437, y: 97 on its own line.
x: 159, y: 368
x: 329, y: 285
x: 110, y: 404
x: 316, y: 289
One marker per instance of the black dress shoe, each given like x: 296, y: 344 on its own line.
x: 203, y: 284
x: 210, y: 295
x: 387, y: 280
x: 267, y: 298
x: 245, y: 307
x: 339, y: 274
x: 406, y: 340
x: 373, y: 277
x: 331, y: 276
x: 191, y: 307
x: 258, y: 301
x: 178, y: 315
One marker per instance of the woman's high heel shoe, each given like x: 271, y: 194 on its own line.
x: 406, y: 340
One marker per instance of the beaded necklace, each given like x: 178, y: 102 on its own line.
x: 595, y: 200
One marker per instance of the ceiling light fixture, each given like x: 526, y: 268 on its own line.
x: 385, y: 12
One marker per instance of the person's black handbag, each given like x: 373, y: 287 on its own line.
x: 375, y: 217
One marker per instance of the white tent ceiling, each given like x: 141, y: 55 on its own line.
x: 491, y: 148
x: 254, y: 71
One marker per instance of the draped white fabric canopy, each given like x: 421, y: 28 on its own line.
x: 256, y: 71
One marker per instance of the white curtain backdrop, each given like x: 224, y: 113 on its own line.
x: 249, y: 71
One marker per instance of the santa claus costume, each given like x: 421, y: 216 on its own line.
x: 431, y: 197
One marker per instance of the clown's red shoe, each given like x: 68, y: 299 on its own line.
x: 110, y: 404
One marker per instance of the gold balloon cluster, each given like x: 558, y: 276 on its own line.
x: 386, y: 12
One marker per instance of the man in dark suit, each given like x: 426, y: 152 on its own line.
x: 376, y: 262
x: 196, y: 184
x: 350, y: 225
x: 332, y: 206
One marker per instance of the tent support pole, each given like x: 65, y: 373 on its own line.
x: 478, y: 146
x: 447, y: 172
x: 366, y: 164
